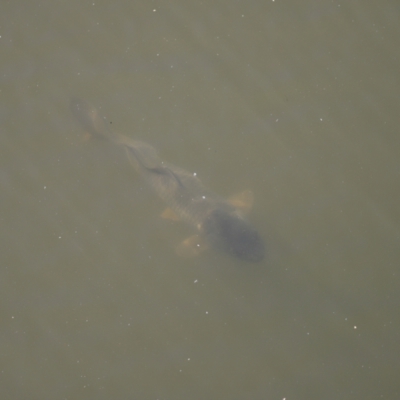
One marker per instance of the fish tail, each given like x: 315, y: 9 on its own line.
x: 90, y: 119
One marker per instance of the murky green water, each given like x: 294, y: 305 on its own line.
x: 297, y: 102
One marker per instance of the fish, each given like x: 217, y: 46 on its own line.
x: 219, y: 223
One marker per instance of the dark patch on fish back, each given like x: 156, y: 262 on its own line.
x: 234, y: 235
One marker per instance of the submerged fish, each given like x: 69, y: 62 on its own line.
x: 219, y: 223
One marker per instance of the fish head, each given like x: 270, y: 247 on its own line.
x: 228, y: 232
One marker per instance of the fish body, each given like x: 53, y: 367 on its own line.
x: 217, y: 220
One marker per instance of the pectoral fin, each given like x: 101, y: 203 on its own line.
x: 169, y: 214
x: 192, y: 246
x: 243, y: 201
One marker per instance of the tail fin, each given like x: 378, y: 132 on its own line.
x: 90, y: 119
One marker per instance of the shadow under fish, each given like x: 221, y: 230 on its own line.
x: 220, y: 223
